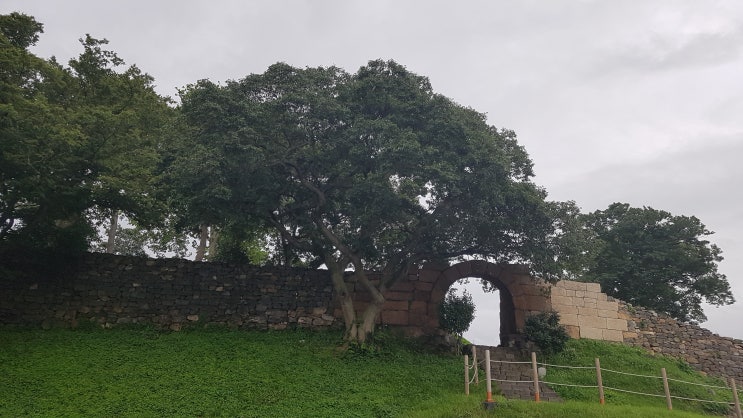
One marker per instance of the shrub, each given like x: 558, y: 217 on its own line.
x: 544, y: 330
x: 456, y: 313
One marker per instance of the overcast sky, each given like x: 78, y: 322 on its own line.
x: 616, y: 101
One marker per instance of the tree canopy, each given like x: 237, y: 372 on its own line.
x: 371, y: 170
x: 76, y: 142
x: 654, y: 259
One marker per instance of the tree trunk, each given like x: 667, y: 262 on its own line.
x: 370, y: 315
x: 213, y: 238
x: 112, y: 229
x: 345, y: 299
x: 201, y: 249
x: 369, y: 321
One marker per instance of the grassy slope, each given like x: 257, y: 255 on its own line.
x: 621, y: 358
x: 224, y: 373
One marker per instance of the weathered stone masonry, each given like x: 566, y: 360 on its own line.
x: 173, y: 293
x: 587, y: 313
x: 702, y: 349
x: 169, y: 293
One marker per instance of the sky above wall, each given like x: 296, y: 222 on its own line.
x: 633, y: 101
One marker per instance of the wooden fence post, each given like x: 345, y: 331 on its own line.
x: 599, y: 381
x: 666, y: 389
x: 536, y: 375
x: 735, y: 398
x: 466, y: 375
x: 474, y: 363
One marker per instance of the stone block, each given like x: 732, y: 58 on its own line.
x: 565, y: 309
x: 612, y: 335
x: 494, y: 270
x: 403, y: 286
x: 452, y: 274
x: 561, y: 284
x: 396, y: 305
x: 395, y: 317
x: 558, y: 300
x: 428, y: 276
x: 478, y: 267
x: 419, y: 307
x: 573, y: 331
x: 590, y: 303
x: 423, y: 286
x: 398, y: 296
x: 593, y: 287
x: 463, y: 269
x: 557, y: 291
x: 571, y: 285
x: 569, y: 319
x: 588, y: 311
x: 616, y: 324
x: 591, y: 322
x: 422, y: 295
x: 592, y: 296
x: 580, y: 294
x: 608, y: 306
x: 417, y: 319
x: 535, y: 303
x: 591, y: 333
x: 608, y: 314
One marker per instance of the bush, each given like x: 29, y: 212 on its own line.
x: 544, y: 330
x: 456, y: 313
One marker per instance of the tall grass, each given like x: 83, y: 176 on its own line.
x: 212, y: 373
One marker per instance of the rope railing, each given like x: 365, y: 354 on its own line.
x: 564, y: 367
x: 569, y: 385
x: 511, y: 381
x: 634, y: 393
x: 699, y: 384
x: 510, y: 362
x: 631, y: 374
x: 735, y: 402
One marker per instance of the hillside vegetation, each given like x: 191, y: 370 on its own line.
x: 217, y: 372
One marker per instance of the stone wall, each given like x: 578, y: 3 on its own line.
x: 173, y: 293
x: 585, y: 312
x: 169, y: 294
x: 702, y: 349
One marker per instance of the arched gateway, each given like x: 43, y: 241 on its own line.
x: 413, y: 304
x: 585, y: 312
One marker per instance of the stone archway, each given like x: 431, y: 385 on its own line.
x: 520, y: 295
x: 413, y: 304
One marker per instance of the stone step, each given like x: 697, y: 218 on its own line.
x: 518, y: 376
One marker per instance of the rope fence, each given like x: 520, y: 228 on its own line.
x: 596, y: 376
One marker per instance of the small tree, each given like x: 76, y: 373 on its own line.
x: 456, y: 313
x: 544, y: 330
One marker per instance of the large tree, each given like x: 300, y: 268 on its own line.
x: 654, y: 259
x: 372, y: 171
x: 77, y: 143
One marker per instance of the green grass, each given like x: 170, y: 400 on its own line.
x: 206, y: 373
x: 621, y: 358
